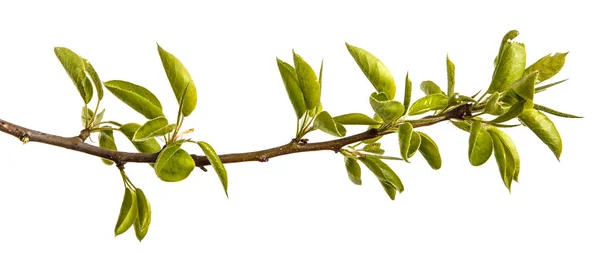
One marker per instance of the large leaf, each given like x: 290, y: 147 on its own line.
x: 407, y: 91
x: 388, y: 110
x: 501, y: 160
x: 147, y: 146
x: 95, y: 78
x: 480, y: 144
x: 173, y: 164
x: 377, y: 73
x: 355, y: 119
x: 142, y: 222
x: 353, y: 170
x: 512, y: 155
x: 308, y: 82
x: 429, y: 87
x: 325, y: 123
x: 75, y: 68
x: 450, y: 71
x: 290, y: 81
x: 155, y: 127
x: 544, y: 128
x: 137, y: 97
x: 106, y: 140
x: 428, y: 103
x: 510, y: 67
x: 548, y: 66
x: 216, y: 163
x: 128, y: 213
x: 179, y: 78
x: 510, y: 35
x: 430, y: 151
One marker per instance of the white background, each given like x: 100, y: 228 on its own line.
x: 58, y: 205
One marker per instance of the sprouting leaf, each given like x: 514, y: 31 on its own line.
x: 142, y: 222
x: 388, y: 110
x: 86, y: 116
x: 155, y: 127
x: 355, y: 119
x: 428, y: 103
x: 173, y: 164
x: 510, y: 35
x: 308, y: 82
x: 216, y: 163
x: 128, y: 213
x: 179, y: 78
x: 321, y: 74
x: 510, y: 67
x: 377, y: 73
x: 513, y: 161
x: 405, y: 132
x: 547, y: 86
x: 75, y: 68
x: 430, y: 151
x: 554, y: 112
x: 407, y: 91
x: 290, y: 81
x: 544, y: 128
x: 384, y: 173
x: 524, y: 86
x: 373, y: 148
x: 95, y: 78
x: 147, y: 146
x: 325, y: 123
x: 492, y: 107
x: 548, y: 66
x: 137, y: 97
x: 429, y: 87
x: 450, y: 70
x: 353, y: 170
x: 98, y: 118
x: 480, y: 144
x: 106, y: 140
x: 512, y: 112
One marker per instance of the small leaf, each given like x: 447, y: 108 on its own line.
x: 374, y: 126
x: 155, y: 127
x: 513, y: 162
x: 544, y: 128
x: 355, y: 119
x: 450, y: 71
x: 377, y: 73
x: 463, y: 125
x: 555, y: 112
x: 480, y: 144
x: 128, y: 213
x: 147, y: 146
x: 407, y: 91
x: 547, y: 86
x: 430, y: 151
x: 75, y: 68
x: 98, y: 118
x: 384, y: 173
x: 173, y: 164
x: 510, y: 67
x: 388, y: 110
x: 524, y: 86
x: 142, y: 222
x: 501, y: 160
x: 179, y: 78
x: 548, y: 66
x: 106, y: 140
x: 353, y: 170
x: 389, y: 189
x: 216, y: 163
x: 415, y: 143
x: 137, y: 97
x: 429, y: 87
x: 95, y: 79
x: 308, y: 82
x: 325, y: 123
x: 428, y: 103
x: 405, y: 132
x: 290, y: 81
x: 492, y: 107
x: 86, y: 116
x: 373, y: 148
x: 512, y: 112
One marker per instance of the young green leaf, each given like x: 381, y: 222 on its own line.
x: 174, y: 164
x: 544, y: 128
x: 75, y: 68
x: 428, y: 103
x: 510, y: 35
x: 377, y: 73
x: 450, y: 70
x: 155, y: 127
x: 308, y: 82
x: 510, y: 67
x: 373, y: 148
x: 513, y: 161
x: 548, y: 66
x: 462, y: 124
x: 106, y: 140
x: 429, y: 88
x: 353, y: 170
x: 290, y: 81
x: 355, y: 119
x: 98, y: 118
x: 492, y: 107
x: 430, y: 151
x: 555, y: 112
x: 179, y: 78
x: 525, y: 86
x: 384, y: 173
x: 480, y: 144
x: 86, y: 116
x: 374, y: 126
x: 514, y: 111
x: 95, y: 78
x: 325, y: 123
x: 501, y: 160
x: 128, y: 213
x: 407, y: 91
x: 216, y: 163
x: 547, y: 86
x: 415, y: 144
x: 137, y: 97
x: 405, y: 132
x: 147, y: 146
x: 388, y: 110
x: 142, y: 222
x: 389, y: 189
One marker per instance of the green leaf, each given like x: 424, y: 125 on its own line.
x: 389, y: 189
x: 98, y: 118
x: 492, y: 107
x: 429, y: 87
x: 142, y: 222
x: 548, y: 66
x: 155, y: 127
x: 216, y: 163
x: 321, y: 74
x: 95, y: 78
x: 355, y: 119
x: 86, y: 116
x: 106, y: 140
x: 377, y: 73
x: 290, y: 81
x: 430, y: 151
x: 373, y: 148
x: 147, y: 146
x: 179, y: 78
x: 513, y: 161
x: 450, y: 70
x: 428, y: 103
x: 374, y: 126
x: 405, y: 133
x: 128, y: 213
x: 544, y: 128
x: 173, y: 164
x: 514, y: 111
x: 407, y: 91
x: 75, y: 68
x: 555, y: 112
x: 463, y: 125
x: 510, y: 35
x: 480, y: 144
x: 525, y: 86
x: 510, y: 67
x: 501, y: 160
x: 388, y: 110
x: 387, y: 172
x: 137, y: 97
x: 308, y: 82
x: 325, y: 123
x: 353, y: 170
x: 547, y: 86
